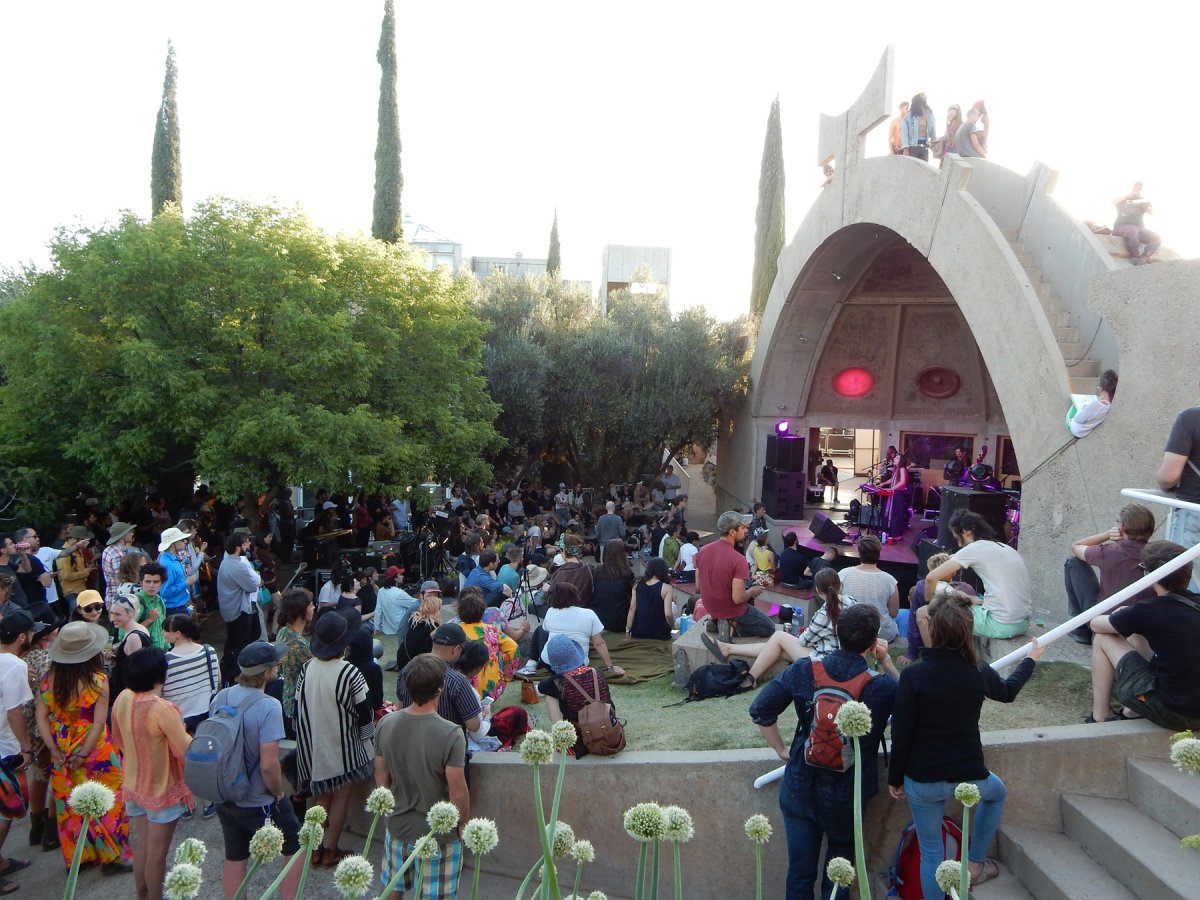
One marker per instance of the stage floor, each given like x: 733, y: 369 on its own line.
x: 903, y: 552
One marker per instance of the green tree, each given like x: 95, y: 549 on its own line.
x: 385, y: 221
x: 246, y: 346
x: 166, y: 170
x: 603, y: 394
x: 768, y: 219
x: 554, y: 257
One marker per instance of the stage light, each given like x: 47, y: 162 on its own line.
x: 853, y: 383
x: 783, y: 426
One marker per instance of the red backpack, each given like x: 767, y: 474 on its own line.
x: 905, y: 881
x: 825, y: 747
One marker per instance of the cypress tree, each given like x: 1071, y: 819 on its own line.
x: 554, y: 257
x: 166, y: 172
x: 769, y: 224
x: 385, y: 221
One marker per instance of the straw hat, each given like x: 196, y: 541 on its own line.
x: 78, y: 642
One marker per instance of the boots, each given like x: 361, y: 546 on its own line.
x: 37, y: 823
x: 50, y: 833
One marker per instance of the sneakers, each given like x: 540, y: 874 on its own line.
x: 210, y: 810
x: 530, y: 668
x: 187, y: 814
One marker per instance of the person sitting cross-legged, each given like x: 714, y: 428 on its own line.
x: 1145, y: 656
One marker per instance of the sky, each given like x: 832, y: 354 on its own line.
x: 639, y: 122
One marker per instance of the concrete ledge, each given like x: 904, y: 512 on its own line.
x: 690, y: 653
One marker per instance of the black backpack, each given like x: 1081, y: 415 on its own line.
x: 717, y: 680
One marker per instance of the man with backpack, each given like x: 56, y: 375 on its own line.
x: 234, y: 761
x: 816, y: 795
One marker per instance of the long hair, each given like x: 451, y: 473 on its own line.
x: 829, y: 585
x: 616, y: 564
x: 656, y: 567
x: 68, y: 679
x: 952, y: 626
x: 430, y: 610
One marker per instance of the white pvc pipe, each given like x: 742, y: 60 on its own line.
x: 1150, y: 578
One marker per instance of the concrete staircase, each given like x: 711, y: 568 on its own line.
x: 1081, y: 370
x: 1113, y: 849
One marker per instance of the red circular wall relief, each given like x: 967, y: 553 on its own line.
x: 938, y: 382
x: 853, y: 383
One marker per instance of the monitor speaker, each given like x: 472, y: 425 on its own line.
x: 783, y: 493
x: 991, y: 505
x: 926, y: 548
x: 785, y: 453
x: 824, y: 530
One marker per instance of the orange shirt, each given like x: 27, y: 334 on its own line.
x: 148, y: 730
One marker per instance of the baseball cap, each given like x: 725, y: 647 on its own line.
x: 427, y: 586
x: 392, y: 572
x: 328, y: 504
x: 450, y: 636
x: 15, y: 624
x: 731, y: 520
x: 256, y: 658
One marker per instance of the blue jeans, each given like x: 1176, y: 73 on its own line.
x: 811, y: 812
x: 927, y: 800
x: 1183, y: 527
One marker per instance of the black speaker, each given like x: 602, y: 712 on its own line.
x: 991, y: 505
x: 824, y: 530
x: 785, y: 453
x: 783, y: 493
x: 926, y: 548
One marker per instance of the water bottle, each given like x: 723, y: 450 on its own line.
x: 685, y: 622
x: 797, y: 621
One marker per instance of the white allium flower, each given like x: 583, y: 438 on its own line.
x: 316, y: 814
x: 426, y: 847
x: 192, y: 851
x: 92, y: 799
x: 679, y: 824
x: 481, y: 836
x: 1186, y: 755
x: 182, y: 882
x: 537, y: 748
x: 311, y: 835
x: 854, y: 719
x: 967, y: 794
x: 353, y: 876
x: 563, y: 841
x: 645, y: 822
x: 583, y: 852
x: 840, y: 871
x: 758, y: 827
x: 564, y: 735
x: 948, y: 874
x: 266, y: 844
x: 597, y: 895
x: 442, y: 817
x: 381, y: 802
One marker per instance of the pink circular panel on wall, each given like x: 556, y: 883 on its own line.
x: 853, y: 383
x: 938, y: 382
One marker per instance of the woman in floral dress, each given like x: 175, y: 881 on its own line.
x: 71, y: 711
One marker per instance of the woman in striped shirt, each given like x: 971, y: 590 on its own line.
x: 193, y: 670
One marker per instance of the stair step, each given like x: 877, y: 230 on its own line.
x: 1082, y: 384
x: 1137, y: 851
x: 1024, y: 257
x: 1005, y: 886
x: 1168, y: 796
x: 1085, y: 368
x: 1044, y: 290
x: 1067, y: 333
x: 1072, y: 350
x: 1010, y: 234
x: 1053, y: 867
x: 1058, y: 317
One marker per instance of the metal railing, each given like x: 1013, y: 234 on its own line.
x: 1150, y: 578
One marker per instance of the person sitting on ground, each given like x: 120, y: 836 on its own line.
x: 564, y: 699
x: 792, y: 563
x: 566, y: 616
x: 685, y: 569
x: 502, y: 648
x: 1003, y: 612
x: 1117, y: 553
x: 612, y: 584
x: 765, y: 564
x: 1140, y: 242
x: 935, y: 735
x: 918, y: 626
x: 483, y: 576
x: 722, y: 574
x: 818, y: 804
x: 1145, y: 656
x: 510, y: 572
x: 393, y: 605
x: 650, y: 615
x: 1095, y: 410
x: 867, y: 583
x: 828, y: 477
x: 574, y: 571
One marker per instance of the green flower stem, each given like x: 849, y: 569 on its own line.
x: 241, y: 891
x: 964, y: 872
x: 391, y: 885
x: 304, y: 872
x: 654, y: 872
x: 370, y: 835
x: 860, y: 856
x: 550, y: 881
x: 641, y: 872
x: 578, y: 878
x: 475, y: 879
x: 834, y: 893
x: 528, y: 878
x: 275, y: 885
x: 757, y: 871
x: 418, y: 878
x: 678, y: 872
x: 76, y: 859
x: 558, y: 786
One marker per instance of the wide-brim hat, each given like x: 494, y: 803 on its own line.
x: 537, y: 575
x: 169, y: 537
x: 78, y: 642
x: 563, y: 654
x: 334, y: 631
x: 79, y: 532
x: 118, y: 531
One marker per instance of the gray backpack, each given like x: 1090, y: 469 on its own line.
x: 214, y: 766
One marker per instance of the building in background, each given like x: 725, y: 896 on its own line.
x: 441, y: 249
x: 483, y: 266
x: 626, y: 268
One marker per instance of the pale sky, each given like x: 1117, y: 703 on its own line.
x: 643, y: 123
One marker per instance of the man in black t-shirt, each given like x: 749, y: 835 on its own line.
x: 1145, y: 655
x: 1180, y: 472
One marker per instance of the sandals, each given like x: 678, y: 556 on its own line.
x: 989, y: 870
x: 1092, y: 720
x: 14, y: 865
x: 331, y: 857
x: 8, y: 887
x: 713, y: 647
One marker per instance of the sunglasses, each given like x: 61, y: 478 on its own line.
x: 92, y: 607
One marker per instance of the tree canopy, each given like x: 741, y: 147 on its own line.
x: 245, y: 346
x: 603, y: 394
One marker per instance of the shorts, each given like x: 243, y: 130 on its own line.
x: 986, y: 626
x: 164, y: 816
x: 1134, y: 686
x: 238, y: 824
x: 439, y: 876
x: 14, y: 800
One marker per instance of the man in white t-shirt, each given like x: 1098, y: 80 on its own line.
x: 1007, y: 602
x: 687, y: 556
x: 562, y: 506
x: 16, y: 749
x: 867, y: 583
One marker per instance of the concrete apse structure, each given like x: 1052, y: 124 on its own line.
x: 976, y: 273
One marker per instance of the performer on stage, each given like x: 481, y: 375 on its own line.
x: 955, y: 471
x: 901, y: 499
